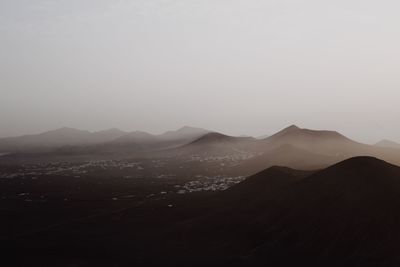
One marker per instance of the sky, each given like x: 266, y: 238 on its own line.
x: 235, y: 66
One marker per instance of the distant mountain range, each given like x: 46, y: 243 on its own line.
x: 74, y: 139
x: 57, y: 138
x: 291, y: 147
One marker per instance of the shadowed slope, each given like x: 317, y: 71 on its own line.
x: 345, y: 215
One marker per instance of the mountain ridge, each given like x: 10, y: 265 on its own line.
x: 343, y: 215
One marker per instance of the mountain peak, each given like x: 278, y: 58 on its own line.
x: 219, y: 138
x: 294, y: 130
x: 362, y: 166
x: 292, y: 127
x: 362, y: 161
x: 212, y: 137
x: 289, y: 129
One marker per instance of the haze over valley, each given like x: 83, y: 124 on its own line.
x: 199, y: 133
x: 185, y: 179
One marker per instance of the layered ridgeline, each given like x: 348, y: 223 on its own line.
x: 344, y: 215
x: 138, y: 142
x: 312, y: 149
x: 291, y: 147
x: 304, y: 149
x: 56, y: 138
x: 74, y: 140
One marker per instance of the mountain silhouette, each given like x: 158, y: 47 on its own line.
x: 138, y: 142
x: 344, y: 215
x: 317, y: 141
x: 74, y: 142
x: 292, y: 147
x: 215, y: 138
x: 57, y: 138
x: 46, y: 140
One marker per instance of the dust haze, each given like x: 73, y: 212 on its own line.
x: 239, y: 67
x: 199, y: 133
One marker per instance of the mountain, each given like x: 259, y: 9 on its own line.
x: 388, y: 144
x: 344, y: 215
x: 184, y: 133
x: 44, y: 141
x: 57, y: 138
x: 74, y: 141
x: 329, y: 144
x: 125, y: 144
x: 304, y: 149
x: 219, y: 139
x: 218, y: 145
x: 264, y: 184
x: 294, y: 133
x: 317, y: 141
x: 140, y: 142
x: 291, y: 147
x: 168, y: 139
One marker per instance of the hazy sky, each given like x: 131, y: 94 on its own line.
x: 240, y: 67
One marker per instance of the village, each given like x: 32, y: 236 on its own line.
x: 126, y: 170
x: 204, y: 183
x: 67, y: 168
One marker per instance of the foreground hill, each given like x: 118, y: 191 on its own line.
x: 345, y: 215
